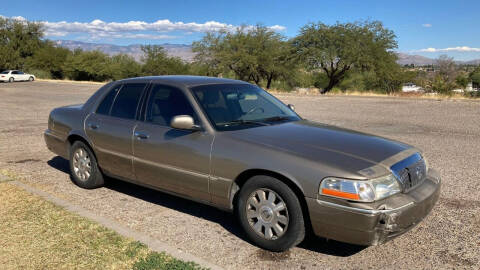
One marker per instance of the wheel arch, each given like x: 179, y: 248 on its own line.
x: 243, y: 177
x: 73, y: 137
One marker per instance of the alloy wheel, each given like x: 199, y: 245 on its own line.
x: 267, y: 213
x: 82, y: 165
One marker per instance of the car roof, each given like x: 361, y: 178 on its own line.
x: 187, y: 80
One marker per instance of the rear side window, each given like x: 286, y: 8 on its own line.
x: 104, y: 107
x: 126, y: 102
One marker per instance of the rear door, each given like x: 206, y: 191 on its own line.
x: 14, y: 74
x: 111, y: 127
x: 168, y: 158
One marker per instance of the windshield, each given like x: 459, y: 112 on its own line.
x: 238, y: 106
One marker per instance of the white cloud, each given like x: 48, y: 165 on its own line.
x: 134, y: 29
x: 452, y: 49
x: 427, y: 25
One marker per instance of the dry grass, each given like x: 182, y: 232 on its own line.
x: 37, y: 234
x: 69, y: 81
x: 376, y: 94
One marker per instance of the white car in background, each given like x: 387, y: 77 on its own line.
x: 15, y: 75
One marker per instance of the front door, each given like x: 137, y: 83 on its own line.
x: 111, y: 127
x: 167, y: 158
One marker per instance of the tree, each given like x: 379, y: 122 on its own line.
x: 19, y: 40
x: 444, y: 81
x: 338, y: 48
x: 157, y: 62
x: 124, y: 66
x: 475, y: 77
x: 88, y: 66
x: 51, y: 59
x: 256, y: 54
x: 462, y: 80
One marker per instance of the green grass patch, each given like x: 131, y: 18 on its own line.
x: 161, y: 261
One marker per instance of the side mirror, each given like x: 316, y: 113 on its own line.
x: 291, y: 107
x: 184, y: 122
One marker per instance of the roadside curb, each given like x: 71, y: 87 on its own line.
x: 153, y: 244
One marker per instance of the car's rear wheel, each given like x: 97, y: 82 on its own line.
x: 270, y: 213
x: 83, y: 166
x: 31, y: 79
x: 10, y: 80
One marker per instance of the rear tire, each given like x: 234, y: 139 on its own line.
x: 274, y: 222
x: 84, y: 169
x: 11, y: 80
x: 31, y: 79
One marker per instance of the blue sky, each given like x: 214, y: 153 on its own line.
x: 428, y: 28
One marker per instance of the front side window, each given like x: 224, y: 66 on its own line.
x: 238, y: 106
x: 166, y: 102
x: 126, y: 102
x: 20, y: 72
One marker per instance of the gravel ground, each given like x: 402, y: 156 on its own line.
x: 448, y: 131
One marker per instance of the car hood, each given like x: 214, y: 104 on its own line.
x: 338, y: 147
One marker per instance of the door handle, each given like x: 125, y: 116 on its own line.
x: 92, y: 126
x: 141, y: 135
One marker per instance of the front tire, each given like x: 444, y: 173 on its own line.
x: 270, y: 213
x: 84, y: 169
x: 31, y: 79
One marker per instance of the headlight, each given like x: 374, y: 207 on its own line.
x: 364, y: 191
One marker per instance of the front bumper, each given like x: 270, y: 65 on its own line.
x: 374, y: 223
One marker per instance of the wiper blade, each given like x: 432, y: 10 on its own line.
x: 239, y: 122
x: 276, y: 119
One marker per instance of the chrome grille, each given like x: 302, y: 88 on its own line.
x: 410, y: 172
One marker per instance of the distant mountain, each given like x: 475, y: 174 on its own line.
x: 473, y: 62
x: 185, y: 52
x: 179, y: 50
x: 417, y: 60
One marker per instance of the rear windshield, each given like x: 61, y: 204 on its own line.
x: 5, y: 72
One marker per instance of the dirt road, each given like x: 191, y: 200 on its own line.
x: 447, y: 131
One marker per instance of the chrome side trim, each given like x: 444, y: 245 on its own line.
x: 171, y: 168
x: 364, y: 211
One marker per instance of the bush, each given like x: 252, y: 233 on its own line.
x: 40, y: 73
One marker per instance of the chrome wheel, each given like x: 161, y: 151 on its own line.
x: 82, y: 166
x: 267, y: 213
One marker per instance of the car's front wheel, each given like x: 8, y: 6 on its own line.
x: 270, y: 213
x: 83, y: 166
x: 31, y: 79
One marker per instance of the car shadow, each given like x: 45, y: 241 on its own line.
x: 225, y: 219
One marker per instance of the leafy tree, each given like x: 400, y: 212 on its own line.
x: 255, y: 54
x: 124, y: 66
x: 462, y: 80
x: 88, y: 66
x: 338, y: 48
x: 475, y: 77
x: 19, y: 40
x: 444, y: 80
x: 51, y: 59
x: 157, y: 62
